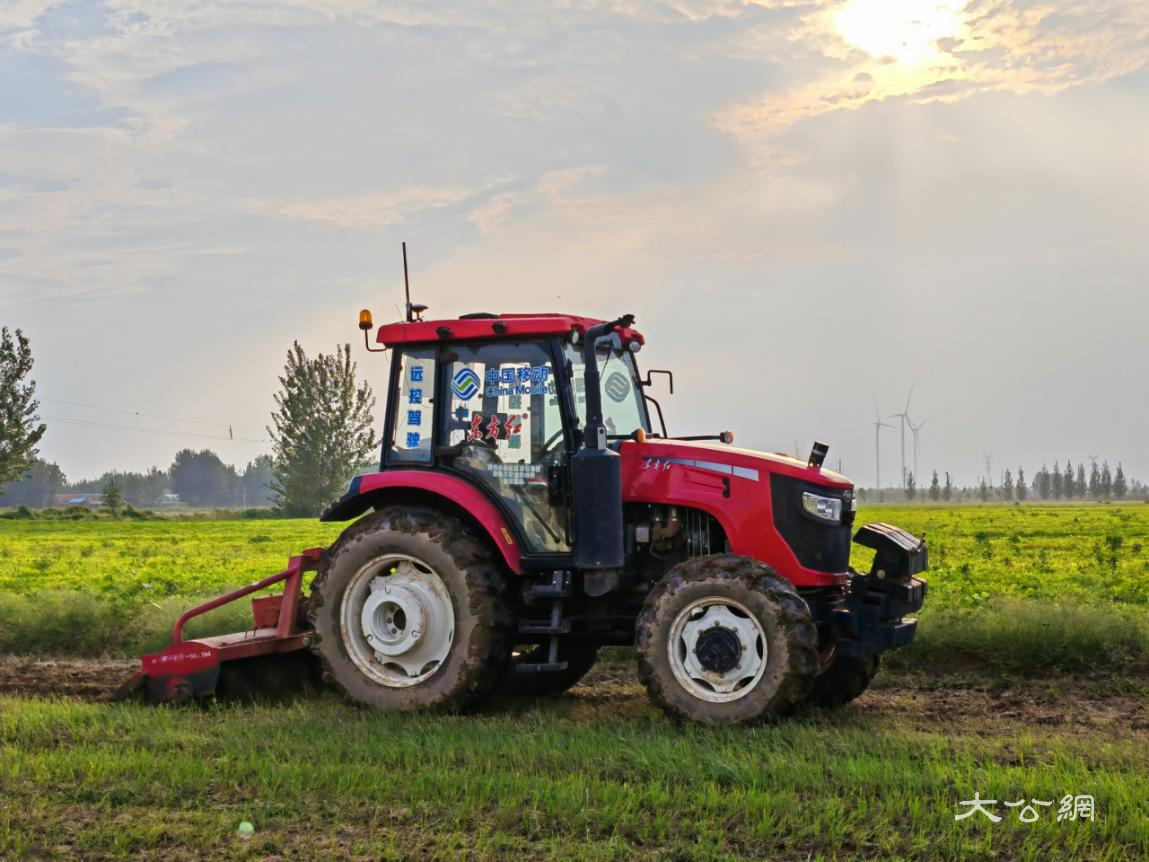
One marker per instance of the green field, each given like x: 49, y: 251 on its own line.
x: 1029, y: 680
x: 1059, y: 587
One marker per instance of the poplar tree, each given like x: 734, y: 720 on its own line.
x: 20, y: 427
x: 1120, y: 488
x: 322, y: 432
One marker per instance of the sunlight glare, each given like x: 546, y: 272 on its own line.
x: 906, y: 30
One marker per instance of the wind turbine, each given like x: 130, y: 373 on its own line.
x: 917, y: 441
x: 878, y: 426
x: 905, y: 416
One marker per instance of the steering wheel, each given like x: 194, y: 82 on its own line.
x: 550, y: 442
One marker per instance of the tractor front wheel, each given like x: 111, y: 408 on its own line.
x: 845, y: 679
x: 411, y: 612
x: 723, y: 639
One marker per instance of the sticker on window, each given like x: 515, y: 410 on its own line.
x: 617, y: 387
x: 465, y: 384
x: 495, y: 426
x: 526, y: 380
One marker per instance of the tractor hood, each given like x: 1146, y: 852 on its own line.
x: 721, y: 459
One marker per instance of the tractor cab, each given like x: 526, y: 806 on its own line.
x: 502, y: 401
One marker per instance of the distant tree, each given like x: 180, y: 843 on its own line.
x: 911, y: 487
x: 322, y: 429
x: 1006, y: 489
x: 935, y: 488
x: 1080, y: 487
x: 36, y: 488
x: 1055, y: 484
x: 255, y: 483
x: 201, y: 479
x: 1022, y: 488
x: 983, y: 490
x: 1095, y: 482
x: 147, y: 489
x: 948, y: 488
x: 1042, y: 483
x: 1068, y: 487
x: 1120, y: 488
x: 20, y: 427
x: 1106, y: 481
x: 113, y: 497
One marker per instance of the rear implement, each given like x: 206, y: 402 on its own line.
x: 190, y: 669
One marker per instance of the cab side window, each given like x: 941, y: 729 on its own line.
x: 504, y: 425
x: 414, y: 414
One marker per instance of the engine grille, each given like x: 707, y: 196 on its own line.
x: 703, y: 534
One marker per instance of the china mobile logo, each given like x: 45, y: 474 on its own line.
x: 1070, y: 808
x: 465, y: 384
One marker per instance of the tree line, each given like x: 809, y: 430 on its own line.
x: 1100, y: 483
x: 322, y: 434
x: 199, y: 479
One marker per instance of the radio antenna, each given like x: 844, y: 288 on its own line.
x: 407, y: 284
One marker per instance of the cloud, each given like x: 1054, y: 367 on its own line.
x: 364, y: 211
x: 22, y: 14
x: 943, y: 50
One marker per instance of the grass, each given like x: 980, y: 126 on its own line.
x: 132, y: 782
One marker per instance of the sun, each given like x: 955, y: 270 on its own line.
x: 906, y: 30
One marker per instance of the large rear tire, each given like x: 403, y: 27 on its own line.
x: 580, y: 657
x: 723, y: 639
x: 410, y: 612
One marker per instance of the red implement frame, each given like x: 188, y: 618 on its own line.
x: 187, y: 668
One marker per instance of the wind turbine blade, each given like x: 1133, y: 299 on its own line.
x: 911, y: 395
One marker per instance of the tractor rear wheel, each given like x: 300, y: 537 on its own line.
x: 579, y: 655
x: 723, y: 639
x: 844, y: 680
x: 411, y: 612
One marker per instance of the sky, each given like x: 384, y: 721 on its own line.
x: 809, y: 207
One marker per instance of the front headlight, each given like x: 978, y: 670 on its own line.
x: 828, y: 509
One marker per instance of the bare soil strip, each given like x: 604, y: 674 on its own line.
x: 957, y: 703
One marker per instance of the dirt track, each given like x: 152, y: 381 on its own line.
x: 958, y: 704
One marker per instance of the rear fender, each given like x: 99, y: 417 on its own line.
x: 374, y: 490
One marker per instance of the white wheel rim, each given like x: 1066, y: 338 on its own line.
x: 696, y: 620
x: 397, y: 620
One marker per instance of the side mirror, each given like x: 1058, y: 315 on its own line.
x: 669, y: 374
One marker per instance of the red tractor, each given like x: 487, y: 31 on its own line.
x: 527, y: 513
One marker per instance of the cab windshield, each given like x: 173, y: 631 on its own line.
x: 623, y: 408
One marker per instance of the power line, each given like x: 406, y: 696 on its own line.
x: 93, y: 424
x: 144, y: 415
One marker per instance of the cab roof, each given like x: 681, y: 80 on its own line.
x: 471, y: 327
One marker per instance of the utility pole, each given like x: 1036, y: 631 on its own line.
x: 988, y: 470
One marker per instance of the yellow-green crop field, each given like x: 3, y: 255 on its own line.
x: 1087, y: 553
x: 1054, y: 574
